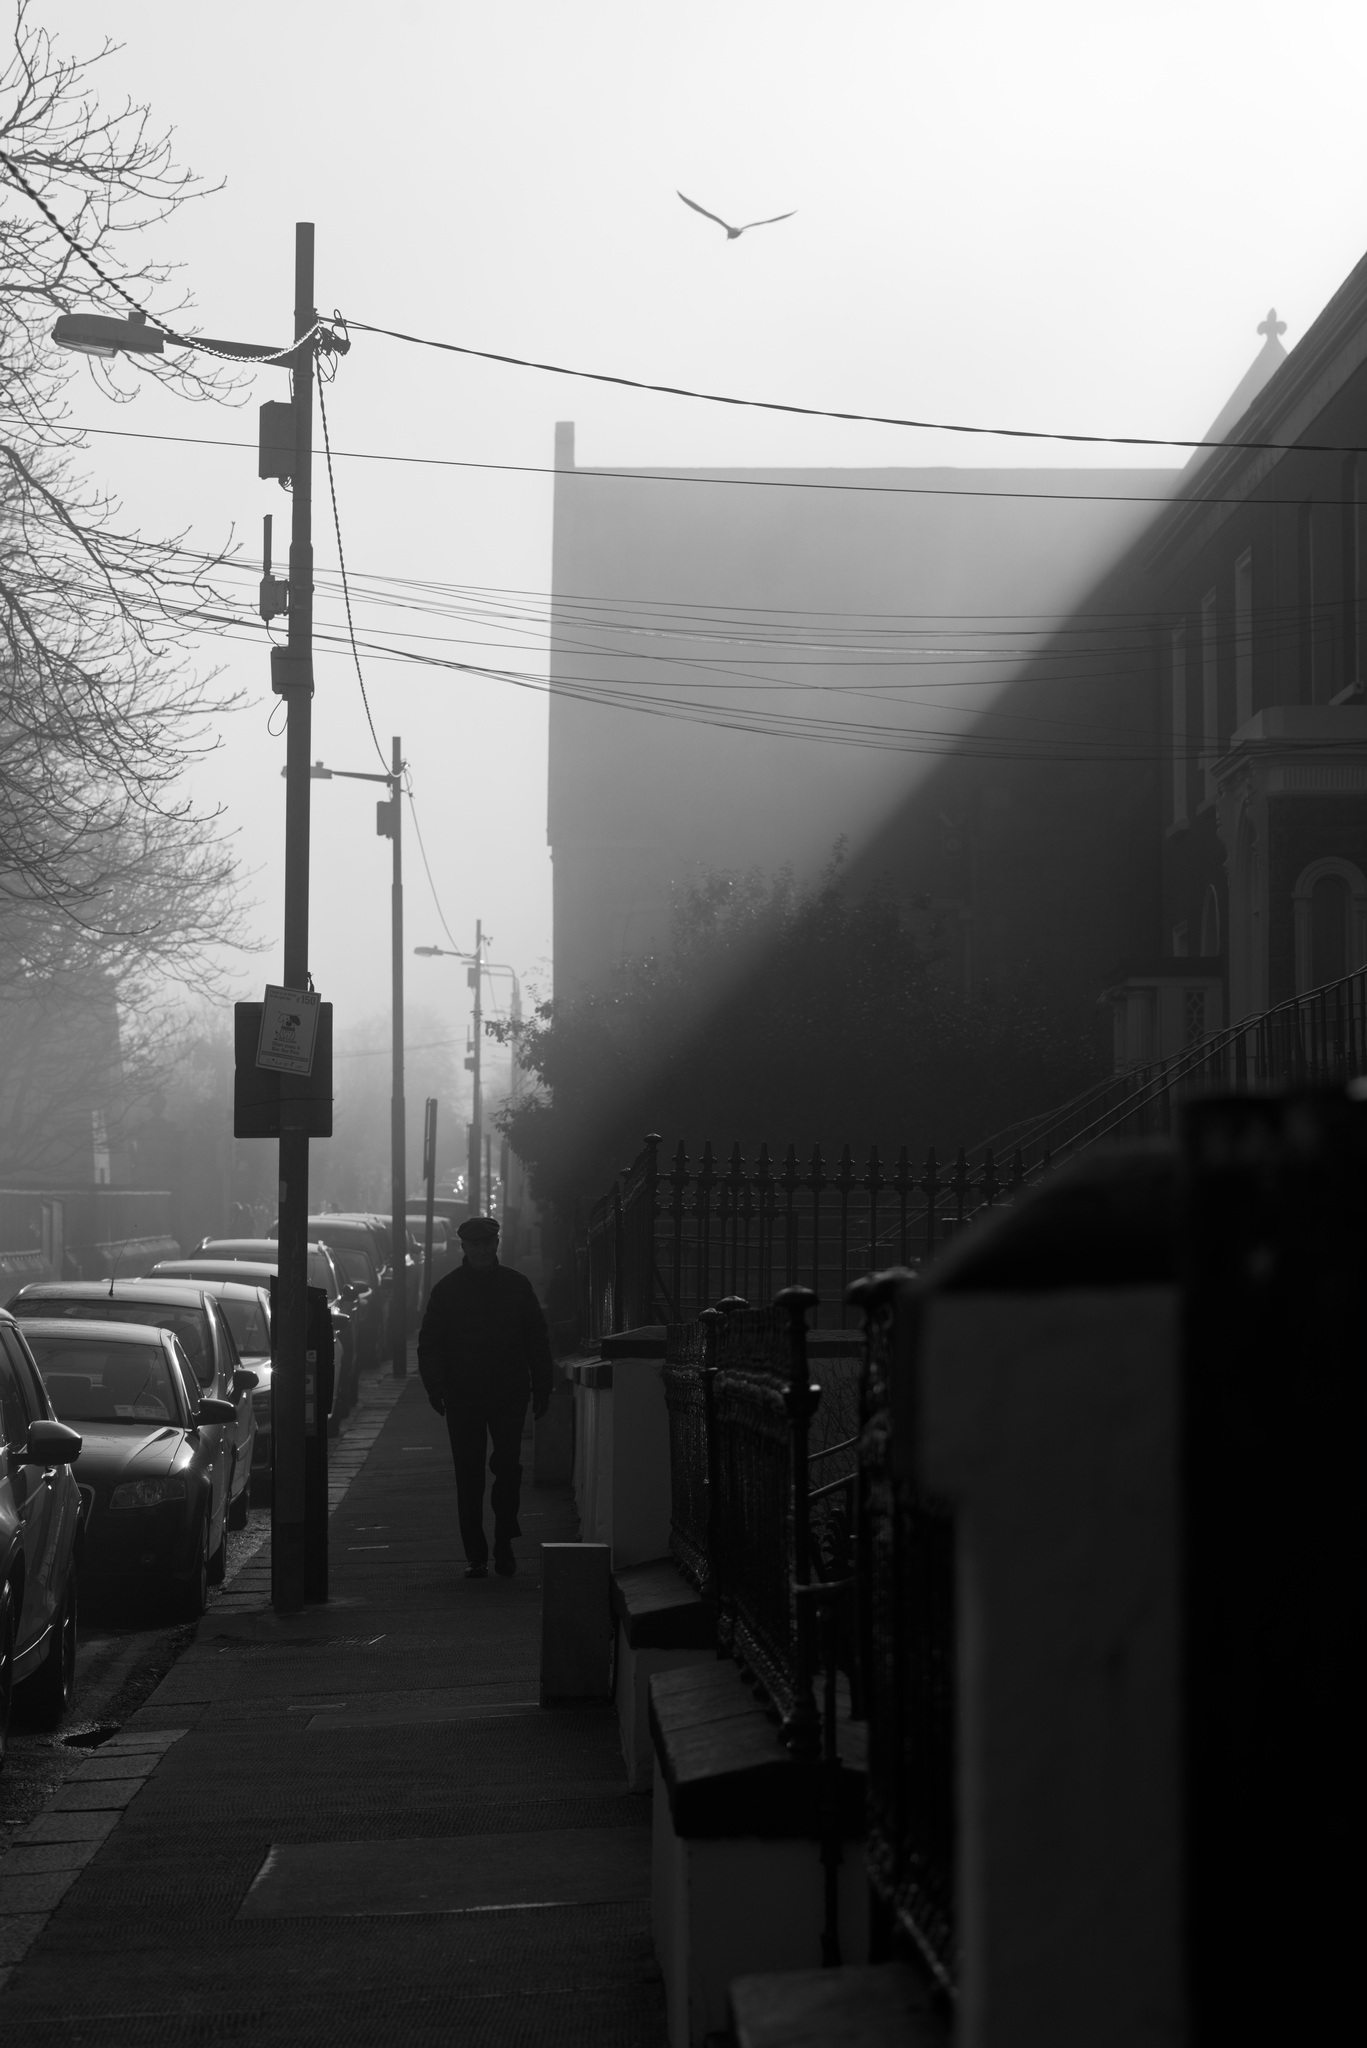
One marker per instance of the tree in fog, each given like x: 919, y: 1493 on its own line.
x: 109, y: 876
x: 780, y: 1015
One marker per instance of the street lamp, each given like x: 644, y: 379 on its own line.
x: 292, y: 678
x: 97, y: 334
x: 388, y: 824
x: 101, y: 334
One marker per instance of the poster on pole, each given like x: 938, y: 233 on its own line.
x: 289, y: 1024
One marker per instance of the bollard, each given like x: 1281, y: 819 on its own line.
x: 576, y: 1623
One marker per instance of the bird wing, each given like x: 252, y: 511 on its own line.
x: 704, y: 212
x: 767, y: 222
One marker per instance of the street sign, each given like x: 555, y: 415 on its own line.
x: 267, y: 1102
x: 289, y: 1022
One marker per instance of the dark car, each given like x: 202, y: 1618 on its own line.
x: 40, y: 1538
x: 383, y: 1228
x: 360, y: 1251
x: 260, y: 1272
x: 197, y: 1319
x: 153, y: 1466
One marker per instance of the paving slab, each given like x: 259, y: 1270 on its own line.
x: 350, y: 1826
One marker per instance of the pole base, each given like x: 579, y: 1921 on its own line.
x: 289, y: 1570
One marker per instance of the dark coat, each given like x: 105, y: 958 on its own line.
x: 484, y: 1338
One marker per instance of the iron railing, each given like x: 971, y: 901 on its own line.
x: 688, y: 1372
x: 778, y: 1548
x: 905, y: 1585
x: 670, y: 1238
x: 763, y: 1402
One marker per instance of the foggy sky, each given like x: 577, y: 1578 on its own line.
x: 1067, y: 215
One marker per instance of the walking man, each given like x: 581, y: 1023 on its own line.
x: 482, y: 1350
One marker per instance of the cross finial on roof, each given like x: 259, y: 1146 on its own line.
x: 1272, y: 327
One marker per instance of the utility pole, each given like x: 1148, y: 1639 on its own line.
x: 294, y: 679
x: 398, y: 1167
x: 476, y: 978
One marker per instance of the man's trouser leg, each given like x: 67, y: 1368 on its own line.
x: 505, y: 1462
x: 467, y: 1425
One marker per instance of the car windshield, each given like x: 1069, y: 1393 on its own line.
x: 88, y: 1381
x: 191, y: 1325
x: 250, y: 1328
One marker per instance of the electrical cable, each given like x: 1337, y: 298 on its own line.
x: 759, y: 483
x: 346, y: 592
x: 672, y: 390
x: 873, y: 419
x: 426, y: 866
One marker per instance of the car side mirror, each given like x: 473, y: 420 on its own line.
x: 212, y: 1410
x: 244, y: 1379
x: 52, y: 1443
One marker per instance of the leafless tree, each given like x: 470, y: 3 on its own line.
x: 109, y: 874
x: 101, y: 713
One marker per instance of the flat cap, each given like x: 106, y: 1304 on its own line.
x: 478, y: 1230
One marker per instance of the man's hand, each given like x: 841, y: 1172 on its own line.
x: 438, y: 1403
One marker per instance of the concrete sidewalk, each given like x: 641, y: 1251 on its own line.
x: 355, y: 1825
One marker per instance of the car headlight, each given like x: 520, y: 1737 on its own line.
x: 147, y: 1493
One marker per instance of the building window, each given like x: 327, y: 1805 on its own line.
x: 1179, y: 724
x: 1243, y: 638
x: 1210, y: 694
x: 1210, y: 924
x: 1330, y: 906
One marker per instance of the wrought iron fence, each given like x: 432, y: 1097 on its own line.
x: 688, y: 1390
x: 763, y: 1402
x: 905, y: 1582
x: 672, y: 1236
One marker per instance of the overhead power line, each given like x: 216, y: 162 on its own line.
x: 722, y: 481
x: 674, y: 390
x: 341, y: 563
x: 872, y: 419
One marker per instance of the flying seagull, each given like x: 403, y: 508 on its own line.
x: 733, y: 234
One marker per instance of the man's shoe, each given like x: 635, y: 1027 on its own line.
x: 505, y: 1564
x: 476, y: 1571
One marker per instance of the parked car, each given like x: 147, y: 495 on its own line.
x: 361, y: 1251
x: 357, y: 1252
x: 324, y: 1272
x: 246, y: 1309
x: 153, y: 1464
x: 259, y: 1273
x: 40, y: 1541
x: 197, y: 1320
x: 383, y: 1229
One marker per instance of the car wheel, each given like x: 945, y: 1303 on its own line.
x: 193, y: 1598
x: 6, y: 1666
x: 47, y: 1695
